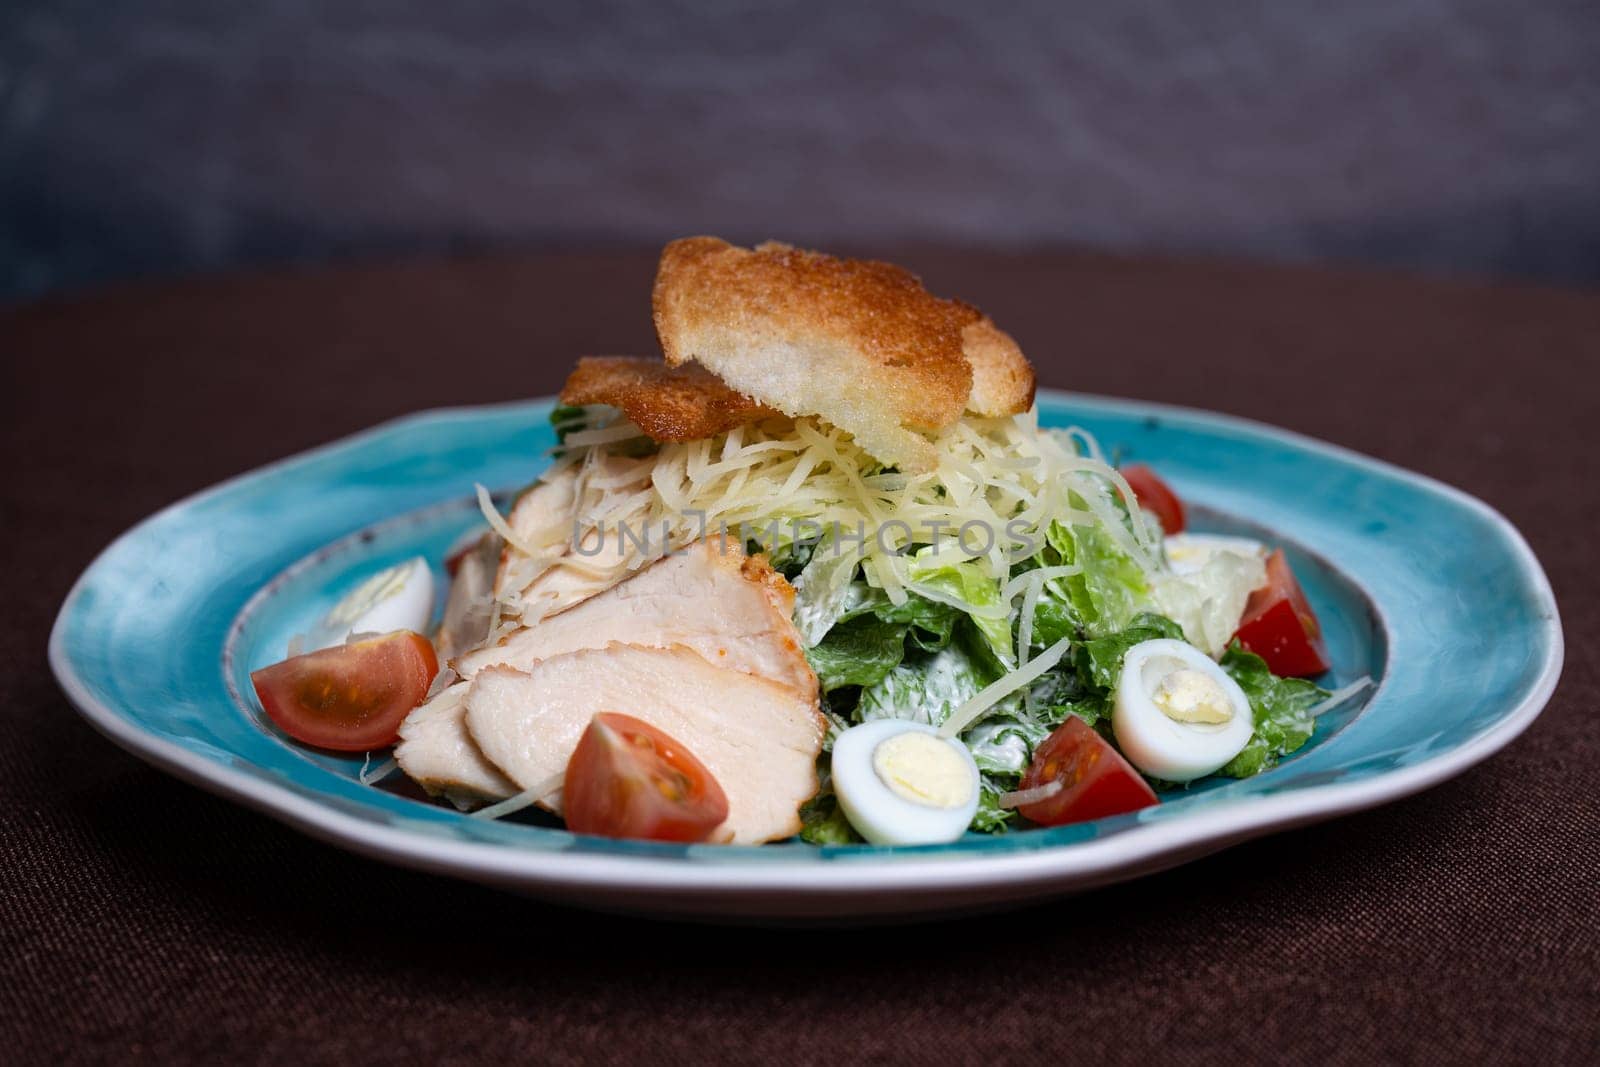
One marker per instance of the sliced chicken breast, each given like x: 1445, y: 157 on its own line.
x: 760, y: 739
x: 577, y: 576
x: 437, y: 753
x: 548, y: 518
x: 469, y: 608
x: 733, y: 609
x: 542, y: 519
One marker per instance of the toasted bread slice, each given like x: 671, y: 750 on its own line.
x: 1002, y: 377
x: 668, y: 403
x: 858, y: 343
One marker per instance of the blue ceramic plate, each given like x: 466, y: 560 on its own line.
x: 1426, y: 590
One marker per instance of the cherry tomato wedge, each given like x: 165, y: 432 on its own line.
x: 1156, y: 496
x: 1279, y: 626
x: 349, y: 698
x: 1095, y: 780
x: 628, y: 779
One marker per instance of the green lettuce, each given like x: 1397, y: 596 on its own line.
x: 991, y: 818
x: 872, y: 635
x: 566, y: 419
x: 1099, y: 660
x: 1112, y: 587
x: 967, y: 583
x: 929, y: 624
x: 926, y: 687
x: 1102, y: 599
x: 1281, y: 708
x: 823, y: 822
x: 859, y: 651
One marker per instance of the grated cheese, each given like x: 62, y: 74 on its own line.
x: 525, y: 799
x: 1023, y: 797
x: 1006, y: 476
x: 974, y: 709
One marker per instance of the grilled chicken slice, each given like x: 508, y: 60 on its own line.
x: 546, y: 519
x: 469, y: 608
x: 760, y: 739
x: 577, y: 576
x: 542, y: 519
x: 731, y: 608
x: 437, y: 753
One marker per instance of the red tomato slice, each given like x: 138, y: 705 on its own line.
x: 628, y: 779
x: 1156, y: 496
x: 1095, y: 780
x: 1279, y: 626
x: 349, y: 698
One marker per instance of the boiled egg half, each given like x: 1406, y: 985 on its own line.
x: 900, y: 783
x: 1177, y: 715
x: 396, y: 598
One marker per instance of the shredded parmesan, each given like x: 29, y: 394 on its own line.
x: 987, y: 698
x: 525, y: 799
x: 622, y: 431
x: 988, y: 503
x: 497, y: 522
x: 1341, y: 696
x: 378, y: 773
x: 1032, y: 796
x: 1030, y: 605
x: 1038, y: 576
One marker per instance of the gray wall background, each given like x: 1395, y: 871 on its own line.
x: 1441, y: 135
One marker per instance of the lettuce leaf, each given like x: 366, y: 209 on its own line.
x: 1003, y: 742
x: 872, y: 635
x: 1112, y: 587
x: 859, y: 651
x: 1099, y: 660
x: 966, y: 582
x: 926, y: 688
x: 991, y: 818
x: 929, y: 624
x: 1101, y: 600
x: 823, y: 822
x: 566, y: 419
x: 1207, y: 603
x: 1281, y: 708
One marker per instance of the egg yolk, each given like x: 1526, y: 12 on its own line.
x: 1191, y: 696
x: 923, y: 769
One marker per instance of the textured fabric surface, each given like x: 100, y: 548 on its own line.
x: 141, y: 919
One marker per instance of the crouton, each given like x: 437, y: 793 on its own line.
x: 858, y: 343
x: 1002, y: 378
x: 682, y: 403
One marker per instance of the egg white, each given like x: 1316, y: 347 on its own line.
x: 1163, y: 747
x: 397, y: 598
x: 878, y: 813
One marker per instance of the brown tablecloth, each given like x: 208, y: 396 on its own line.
x: 142, y: 918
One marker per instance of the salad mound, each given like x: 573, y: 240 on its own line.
x: 776, y: 584
x: 909, y: 605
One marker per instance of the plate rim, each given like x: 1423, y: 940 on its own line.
x: 1082, y: 864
